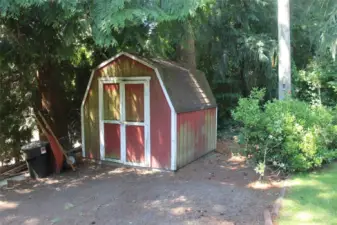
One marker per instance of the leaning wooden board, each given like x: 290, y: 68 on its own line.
x: 52, y: 138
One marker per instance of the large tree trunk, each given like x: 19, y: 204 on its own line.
x: 284, y: 68
x: 51, y: 99
x: 186, y: 54
x: 243, y: 82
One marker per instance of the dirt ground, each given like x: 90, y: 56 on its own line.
x: 218, y: 189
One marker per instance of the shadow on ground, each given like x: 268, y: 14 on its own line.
x: 216, y: 189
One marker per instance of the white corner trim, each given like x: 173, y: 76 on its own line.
x: 147, y: 132
x: 82, y: 132
x: 88, y: 88
x: 82, y: 112
x: 123, y: 119
x: 106, y: 62
x: 216, y: 127
x: 173, y: 140
x: 101, y: 124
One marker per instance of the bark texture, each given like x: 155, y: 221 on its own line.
x: 186, y: 54
x: 51, y: 99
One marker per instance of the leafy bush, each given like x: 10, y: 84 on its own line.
x: 317, y: 83
x: 288, y: 135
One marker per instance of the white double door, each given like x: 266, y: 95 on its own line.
x: 124, y: 105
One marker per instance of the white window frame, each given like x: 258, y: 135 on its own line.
x: 123, y: 123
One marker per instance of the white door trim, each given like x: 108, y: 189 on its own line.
x: 123, y: 123
x: 124, y: 79
x: 101, y: 124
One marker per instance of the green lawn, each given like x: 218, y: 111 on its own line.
x: 311, y: 199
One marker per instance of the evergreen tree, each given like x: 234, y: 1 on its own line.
x: 41, y: 40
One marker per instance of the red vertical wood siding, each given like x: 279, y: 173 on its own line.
x: 135, y: 149
x: 112, y: 138
x: 160, y: 128
x: 196, y: 135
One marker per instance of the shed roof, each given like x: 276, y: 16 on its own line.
x: 187, y: 91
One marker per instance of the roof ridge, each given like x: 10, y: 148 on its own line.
x: 173, y: 63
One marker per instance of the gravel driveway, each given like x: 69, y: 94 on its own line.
x: 215, y: 189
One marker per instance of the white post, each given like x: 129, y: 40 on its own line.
x: 284, y: 67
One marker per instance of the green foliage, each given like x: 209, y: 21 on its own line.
x: 65, y: 39
x: 236, y: 46
x: 15, y: 116
x: 317, y: 83
x: 289, y: 135
x: 233, y: 48
x: 317, y: 20
x: 236, y: 43
x: 36, y: 35
x: 101, y: 19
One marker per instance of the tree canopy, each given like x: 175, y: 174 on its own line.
x: 48, y: 47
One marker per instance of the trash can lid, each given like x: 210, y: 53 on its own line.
x: 33, y: 145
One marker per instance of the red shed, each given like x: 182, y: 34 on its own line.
x: 147, y: 112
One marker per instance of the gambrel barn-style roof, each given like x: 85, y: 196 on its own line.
x: 147, y: 112
x: 187, y: 91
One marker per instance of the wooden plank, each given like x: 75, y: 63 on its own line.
x: 57, y: 142
x: 47, y: 135
x: 13, y: 170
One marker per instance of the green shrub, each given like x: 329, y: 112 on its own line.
x: 288, y: 135
x: 317, y: 83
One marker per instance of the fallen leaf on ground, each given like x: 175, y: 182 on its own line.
x: 68, y: 205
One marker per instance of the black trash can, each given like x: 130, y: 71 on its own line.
x: 37, y: 156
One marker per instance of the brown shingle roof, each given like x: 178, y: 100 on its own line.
x: 187, y: 91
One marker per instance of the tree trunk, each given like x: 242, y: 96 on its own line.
x: 186, y: 54
x: 284, y: 68
x: 51, y: 99
x: 243, y: 82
